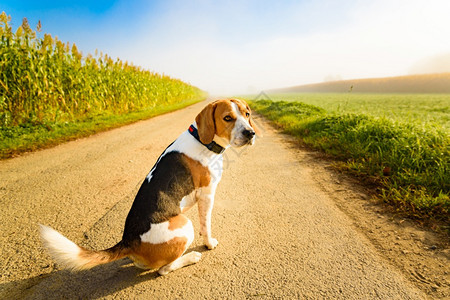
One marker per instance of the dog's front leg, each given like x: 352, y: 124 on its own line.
x: 205, y: 205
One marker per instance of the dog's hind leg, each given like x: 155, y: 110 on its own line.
x: 163, y: 246
x: 185, y: 260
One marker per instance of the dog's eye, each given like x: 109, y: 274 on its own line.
x: 247, y: 114
x: 228, y: 118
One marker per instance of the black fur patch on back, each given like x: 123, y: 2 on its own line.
x: 159, y: 200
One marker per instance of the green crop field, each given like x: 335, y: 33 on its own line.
x: 400, y: 142
x: 412, y: 108
x: 50, y: 92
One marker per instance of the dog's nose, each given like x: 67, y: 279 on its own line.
x: 248, y: 133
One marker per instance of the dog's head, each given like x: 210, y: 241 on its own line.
x: 230, y: 120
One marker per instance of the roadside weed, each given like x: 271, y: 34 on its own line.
x: 410, y: 161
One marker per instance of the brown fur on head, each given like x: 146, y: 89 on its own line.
x: 243, y: 108
x: 206, y: 125
x: 220, y: 117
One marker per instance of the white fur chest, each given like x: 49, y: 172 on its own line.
x: 188, y: 145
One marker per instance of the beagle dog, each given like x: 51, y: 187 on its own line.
x: 157, y: 233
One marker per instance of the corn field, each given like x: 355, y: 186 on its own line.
x: 45, y: 80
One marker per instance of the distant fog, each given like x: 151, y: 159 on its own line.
x: 435, y: 64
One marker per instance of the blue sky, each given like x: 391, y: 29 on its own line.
x: 247, y: 46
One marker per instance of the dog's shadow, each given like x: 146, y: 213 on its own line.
x: 95, y: 283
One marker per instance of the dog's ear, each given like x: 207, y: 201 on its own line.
x: 205, y: 123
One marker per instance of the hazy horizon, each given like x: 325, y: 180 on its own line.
x: 248, y: 46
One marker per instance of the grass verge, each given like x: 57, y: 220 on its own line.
x: 33, y: 136
x: 409, y: 162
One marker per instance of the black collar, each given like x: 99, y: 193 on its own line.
x: 213, y: 146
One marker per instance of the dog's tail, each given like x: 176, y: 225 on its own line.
x: 74, y: 257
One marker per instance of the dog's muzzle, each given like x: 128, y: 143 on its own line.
x: 248, y: 137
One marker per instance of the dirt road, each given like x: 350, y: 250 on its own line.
x: 284, y: 225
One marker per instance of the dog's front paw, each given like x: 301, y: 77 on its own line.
x: 211, y: 243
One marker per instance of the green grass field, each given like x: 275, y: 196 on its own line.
x: 401, y: 142
x: 411, y: 108
x: 29, y: 137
